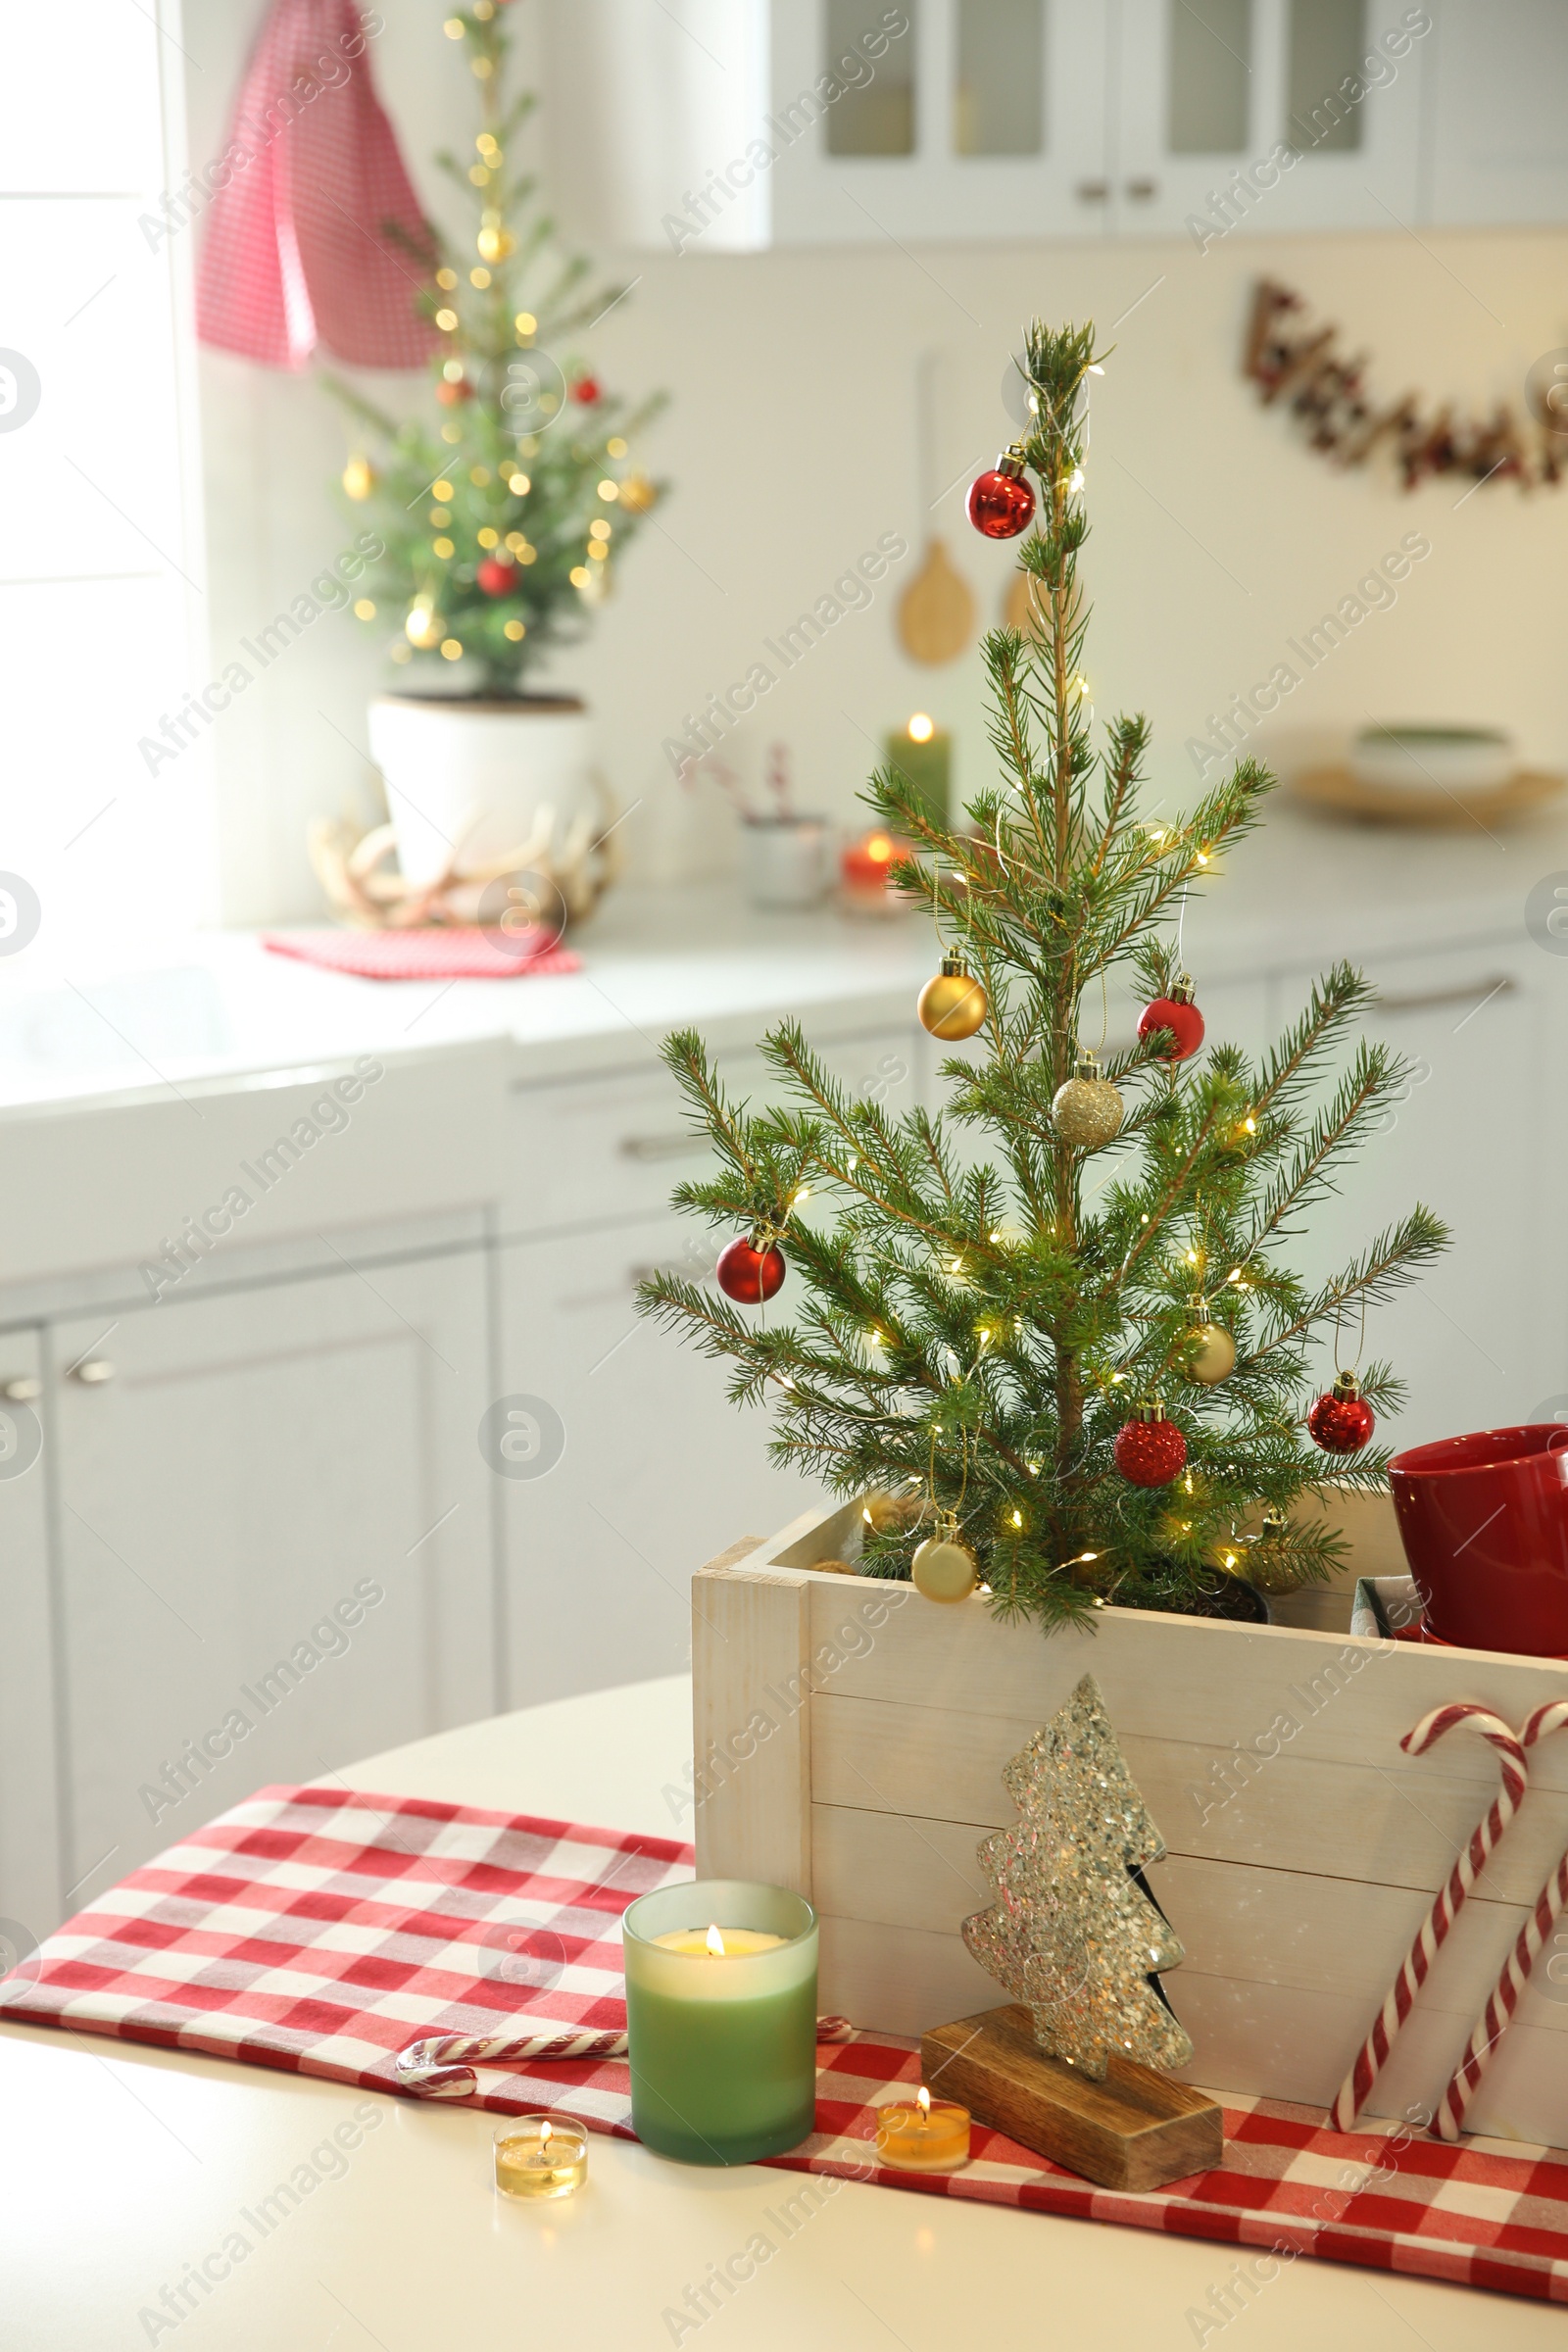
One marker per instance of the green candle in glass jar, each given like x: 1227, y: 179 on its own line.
x: 721, y: 2019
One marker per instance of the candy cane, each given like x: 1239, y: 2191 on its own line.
x: 1400, y: 2000
x: 1503, y: 1999
x: 434, y: 2069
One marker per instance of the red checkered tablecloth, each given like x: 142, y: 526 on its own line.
x: 319, y: 1930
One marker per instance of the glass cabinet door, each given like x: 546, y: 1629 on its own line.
x: 940, y: 119
x: 1251, y: 116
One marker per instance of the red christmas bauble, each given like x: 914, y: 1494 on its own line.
x: 1341, y: 1421
x: 747, y: 1274
x: 1181, y: 1016
x: 496, y: 577
x: 1001, y: 504
x: 1150, y: 1453
x: 586, y: 389
x: 449, y: 394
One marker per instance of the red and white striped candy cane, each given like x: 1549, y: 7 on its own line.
x: 1504, y: 1997
x: 441, y: 2067
x: 1450, y: 1901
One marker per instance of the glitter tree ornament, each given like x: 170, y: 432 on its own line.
x: 1087, y: 1112
x: 1073, y: 1933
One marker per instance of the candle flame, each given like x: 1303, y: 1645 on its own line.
x: 879, y: 848
x: 544, y: 2131
x: 921, y: 728
x: 922, y: 2099
x: 715, y: 1944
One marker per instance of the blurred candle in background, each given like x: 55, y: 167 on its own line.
x: 924, y: 752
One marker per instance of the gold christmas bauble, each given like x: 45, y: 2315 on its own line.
x: 1209, y: 1353
x: 943, y: 1570
x: 1088, y: 1110
x: 637, y: 493
x: 954, y: 1004
x: 424, y: 627
x: 495, y: 244
x: 359, y: 477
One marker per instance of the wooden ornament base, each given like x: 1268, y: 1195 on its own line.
x: 1136, y: 2129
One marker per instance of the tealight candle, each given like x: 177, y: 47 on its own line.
x: 540, y: 2156
x: 721, y: 2019
x: 925, y: 2137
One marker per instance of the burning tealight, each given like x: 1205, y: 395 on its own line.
x: 925, y: 2137
x: 540, y: 2156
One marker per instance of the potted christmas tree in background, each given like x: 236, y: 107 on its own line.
x: 1077, y: 1373
x: 502, y: 517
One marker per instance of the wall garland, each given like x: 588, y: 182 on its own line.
x: 1300, y: 367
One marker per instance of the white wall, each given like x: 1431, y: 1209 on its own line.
x: 790, y: 445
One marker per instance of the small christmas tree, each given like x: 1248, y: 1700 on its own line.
x: 1081, y: 1374
x: 498, y: 525
x: 1073, y: 1932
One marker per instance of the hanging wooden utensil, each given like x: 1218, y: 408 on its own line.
x: 936, y: 616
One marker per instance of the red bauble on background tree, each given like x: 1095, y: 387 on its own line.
x: 1180, y: 1015
x: 496, y: 577
x: 1001, y: 502
x: 1150, y: 1451
x: 586, y: 390
x: 751, y: 1267
x: 1342, y: 1421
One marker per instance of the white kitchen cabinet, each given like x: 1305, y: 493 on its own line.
x: 235, y: 1474
x: 1215, y: 97
x: 658, y: 1471
x: 812, y: 121
x: 29, y: 1754
x: 1481, y: 1340
x: 1498, y: 130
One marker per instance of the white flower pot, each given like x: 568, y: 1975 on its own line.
x: 479, y: 777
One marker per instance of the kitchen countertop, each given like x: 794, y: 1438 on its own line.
x: 216, y: 1008
x: 121, y: 2166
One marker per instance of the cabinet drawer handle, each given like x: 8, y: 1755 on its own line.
x: 1142, y: 190
x: 93, y: 1373
x: 1472, y: 992
x: 657, y: 1147
x: 1092, y: 191
x: 21, y: 1392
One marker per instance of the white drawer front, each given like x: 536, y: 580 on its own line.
x: 617, y: 1146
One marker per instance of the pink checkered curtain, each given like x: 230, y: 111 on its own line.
x: 310, y: 231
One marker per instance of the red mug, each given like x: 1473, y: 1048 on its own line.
x: 1484, y: 1521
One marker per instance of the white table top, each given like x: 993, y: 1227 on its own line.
x: 121, y: 2167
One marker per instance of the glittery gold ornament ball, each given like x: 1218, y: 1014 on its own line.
x: 359, y: 477
x: 637, y: 493
x: 495, y: 244
x: 954, y: 1004
x: 1088, y: 1110
x: 943, y: 1570
x: 1209, y: 1355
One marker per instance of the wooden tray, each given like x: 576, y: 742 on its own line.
x: 1336, y: 788
x: 849, y: 1738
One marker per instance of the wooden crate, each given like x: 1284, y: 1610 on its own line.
x: 849, y: 1738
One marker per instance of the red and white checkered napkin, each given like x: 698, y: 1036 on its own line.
x: 321, y: 1931
x: 463, y: 952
